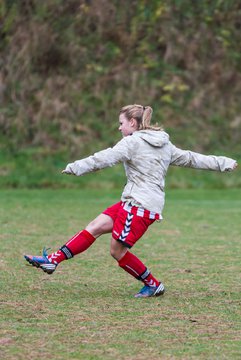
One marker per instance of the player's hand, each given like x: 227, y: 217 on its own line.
x: 235, y: 166
x: 68, y: 170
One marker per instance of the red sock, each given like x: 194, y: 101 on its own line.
x: 131, y: 264
x: 77, y: 244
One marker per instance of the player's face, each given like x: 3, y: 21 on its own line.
x: 127, y: 127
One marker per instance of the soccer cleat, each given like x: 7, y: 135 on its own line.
x: 42, y: 262
x: 148, y: 291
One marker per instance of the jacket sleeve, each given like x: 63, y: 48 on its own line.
x: 195, y: 160
x: 102, y: 159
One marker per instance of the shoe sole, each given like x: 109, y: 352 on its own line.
x: 37, y: 265
x: 48, y: 268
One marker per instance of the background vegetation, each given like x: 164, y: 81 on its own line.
x: 67, y: 67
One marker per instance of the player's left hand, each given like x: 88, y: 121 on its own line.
x: 68, y: 170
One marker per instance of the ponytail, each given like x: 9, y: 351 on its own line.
x: 142, y: 114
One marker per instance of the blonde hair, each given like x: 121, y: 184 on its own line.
x: 142, y: 114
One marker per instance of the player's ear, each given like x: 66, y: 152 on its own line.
x: 133, y: 122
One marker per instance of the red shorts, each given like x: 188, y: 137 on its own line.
x: 128, y: 226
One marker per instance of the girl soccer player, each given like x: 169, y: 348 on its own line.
x: 146, y: 153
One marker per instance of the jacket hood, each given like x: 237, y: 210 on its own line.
x: 152, y: 137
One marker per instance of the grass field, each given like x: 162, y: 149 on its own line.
x: 86, y: 309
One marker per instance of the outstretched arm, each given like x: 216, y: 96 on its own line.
x: 194, y: 160
x: 100, y: 160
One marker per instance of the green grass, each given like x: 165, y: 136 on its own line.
x: 86, y: 310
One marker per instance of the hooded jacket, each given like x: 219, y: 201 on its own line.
x: 146, y: 155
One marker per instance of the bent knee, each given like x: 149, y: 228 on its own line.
x: 95, y: 228
x: 117, y: 250
x: 101, y: 225
x: 113, y: 252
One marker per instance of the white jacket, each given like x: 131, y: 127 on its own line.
x: 146, y: 155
